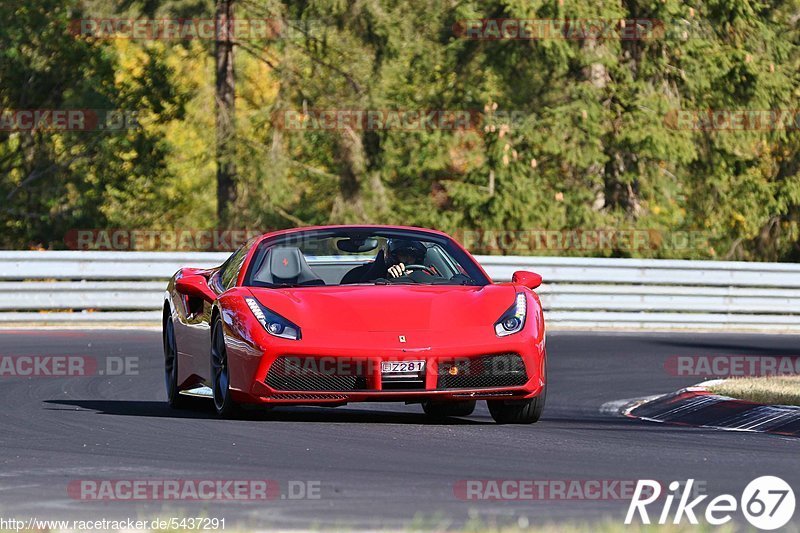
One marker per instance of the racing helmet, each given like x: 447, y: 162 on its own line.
x: 406, y: 247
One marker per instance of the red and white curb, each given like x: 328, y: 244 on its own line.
x: 698, y: 407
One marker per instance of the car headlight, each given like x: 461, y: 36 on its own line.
x: 274, y: 323
x: 513, y: 320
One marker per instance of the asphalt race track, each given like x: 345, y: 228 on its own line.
x: 377, y: 465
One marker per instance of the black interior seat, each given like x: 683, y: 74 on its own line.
x: 287, y: 265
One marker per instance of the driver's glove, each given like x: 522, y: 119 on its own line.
x: 395, y: 271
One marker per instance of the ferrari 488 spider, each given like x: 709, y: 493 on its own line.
x: 338, y: 314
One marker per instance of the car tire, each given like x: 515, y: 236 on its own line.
x: 446, y: 409
x: 520, y: 411
x: 174, y: 398
x: 224, y: 404
x: 517, y: 412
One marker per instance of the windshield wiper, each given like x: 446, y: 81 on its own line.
x: 397, y: 281
x: 462, y: 279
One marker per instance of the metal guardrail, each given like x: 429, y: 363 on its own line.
x: 127, y: 287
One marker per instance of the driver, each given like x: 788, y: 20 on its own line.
x: 400, y: 253
x: 391, y: 262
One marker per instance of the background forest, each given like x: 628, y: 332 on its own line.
x: 579, y: 133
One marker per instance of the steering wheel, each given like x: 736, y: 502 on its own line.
x: 424, y: 268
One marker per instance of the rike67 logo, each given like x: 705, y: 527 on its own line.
x: 767, y: 503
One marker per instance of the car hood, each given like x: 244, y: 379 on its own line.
x: 384, y: 308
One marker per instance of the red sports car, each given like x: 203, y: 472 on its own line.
x: 338, y: 314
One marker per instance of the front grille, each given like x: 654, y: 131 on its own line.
x: 499, y: 370
x: 295, y: 373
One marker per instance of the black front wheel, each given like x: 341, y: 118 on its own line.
x: 174, y: 398
x: 520, y: 411
x: 517, y: 412
x: 220, y: 373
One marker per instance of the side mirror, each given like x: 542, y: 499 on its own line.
x: 528, y: 279
x: 196, y: 286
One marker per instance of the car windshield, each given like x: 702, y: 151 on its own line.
x: 352, y: 257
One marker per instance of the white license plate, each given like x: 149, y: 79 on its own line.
x: 402, y: 367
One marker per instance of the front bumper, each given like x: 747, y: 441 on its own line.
x: 341, y: 398
x: 337, y: 379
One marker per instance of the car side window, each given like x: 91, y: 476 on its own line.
x: 231, y: 270
x: 215, y: 281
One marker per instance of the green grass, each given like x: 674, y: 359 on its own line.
x: 775, y: 390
